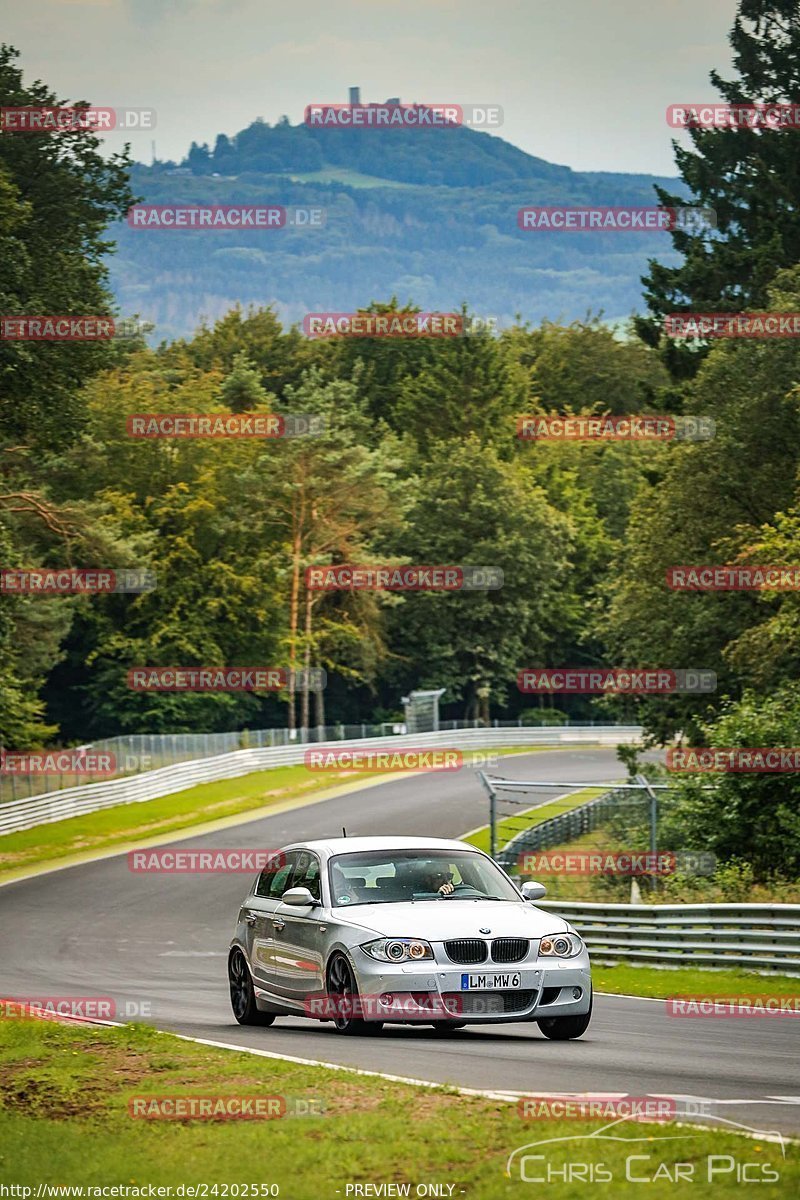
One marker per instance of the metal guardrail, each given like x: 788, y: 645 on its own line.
x: 76, y: 801
x: 763, y: 936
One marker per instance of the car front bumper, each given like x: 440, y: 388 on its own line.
x: 428, y: 991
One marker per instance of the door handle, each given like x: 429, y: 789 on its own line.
x: 278, y: 924
x: 251, y: 918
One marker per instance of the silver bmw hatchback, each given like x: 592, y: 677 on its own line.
x: 360, y: 931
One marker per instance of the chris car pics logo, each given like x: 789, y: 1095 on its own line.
x: 597, y: 1157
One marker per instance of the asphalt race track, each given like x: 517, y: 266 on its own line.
x: 98, y: 929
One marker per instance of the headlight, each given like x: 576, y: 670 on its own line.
x: 397, y: 950
x: 561, y: 945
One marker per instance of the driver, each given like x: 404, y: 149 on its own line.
x: 437, y: 879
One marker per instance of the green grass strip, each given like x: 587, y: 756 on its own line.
x: 65, y: 1120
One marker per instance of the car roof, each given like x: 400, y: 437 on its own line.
x: 352, y: 845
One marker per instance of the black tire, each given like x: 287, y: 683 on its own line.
x: 342, y: 987
x: 445, y: 1027
x: 243, y: 997
x: 564, y: 1029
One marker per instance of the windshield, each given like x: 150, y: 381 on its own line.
x: 397, y: 876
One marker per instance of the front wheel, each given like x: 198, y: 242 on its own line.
x: 243, y: 996
x: 564, y: 1029
x: 343, y: 992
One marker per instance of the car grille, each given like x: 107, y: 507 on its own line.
x: 487, y: 1004
x: 508, y: 950
x: 466, y: 950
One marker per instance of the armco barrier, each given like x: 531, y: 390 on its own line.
x: 91, y: 797
x: 761, y: 936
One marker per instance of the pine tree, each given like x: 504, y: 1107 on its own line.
x: 749, y: 177
x: 241, y: 390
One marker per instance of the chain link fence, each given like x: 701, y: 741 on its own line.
x: 563, y: 827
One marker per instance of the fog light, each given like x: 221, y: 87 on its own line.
x: 577, y: 993
x: 387, y: 999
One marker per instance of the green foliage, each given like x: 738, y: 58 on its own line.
x: 735, y: 879
x: 543, y: 716
x: 749, y: 177
x: 472, y: 507
x: 455, y: 156
x: 716, y: 502
x: 751, y: 821
x: 57, y: 195
x: 241, y: 391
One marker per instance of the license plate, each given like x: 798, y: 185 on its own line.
x: 490, y: 982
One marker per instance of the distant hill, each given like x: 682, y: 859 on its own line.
x: 429, y: 215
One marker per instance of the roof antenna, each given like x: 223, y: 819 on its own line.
x: 344, y: 832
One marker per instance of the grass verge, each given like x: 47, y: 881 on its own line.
x: 626, y: 979
x: 64, y: 1120
x: 126, y: 823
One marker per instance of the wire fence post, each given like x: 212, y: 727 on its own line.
x: 645, y: 783
x: 492, y: 814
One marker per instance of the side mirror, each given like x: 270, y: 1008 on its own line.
x: 533, y: 891
x: 298, y: 897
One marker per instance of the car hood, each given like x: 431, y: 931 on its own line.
x: 440, y: 920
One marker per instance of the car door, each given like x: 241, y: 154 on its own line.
x: 259, y: 915
x: 298, y: 952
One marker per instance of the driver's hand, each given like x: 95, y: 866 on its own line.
x: 446, y: 889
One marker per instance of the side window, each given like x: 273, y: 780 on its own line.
x: 307, y: 874
x: 280, y: 880
x: 264, y: 881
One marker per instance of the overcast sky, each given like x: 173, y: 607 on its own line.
x: 582, y: 82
